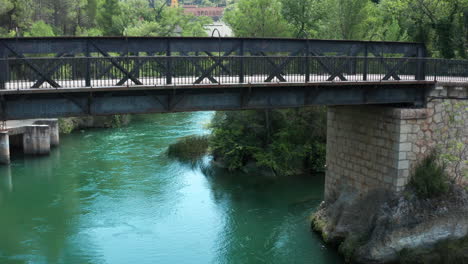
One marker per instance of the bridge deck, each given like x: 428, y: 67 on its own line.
x: 55, y: 87
x: 225, y: 81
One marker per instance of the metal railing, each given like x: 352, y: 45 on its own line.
x: 83, y: 72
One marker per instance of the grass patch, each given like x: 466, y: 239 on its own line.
x: 189, y: 148
x: 429, y: 179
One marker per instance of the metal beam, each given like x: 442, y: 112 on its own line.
x: 150, y: 99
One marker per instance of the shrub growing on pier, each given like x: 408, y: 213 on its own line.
x: 429, y: 179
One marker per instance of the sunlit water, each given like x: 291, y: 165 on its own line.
x: 113, y: 196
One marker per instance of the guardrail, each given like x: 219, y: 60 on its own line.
x: 89, y: 72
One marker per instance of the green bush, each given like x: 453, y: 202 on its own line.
x: 429, y: 179
x: 189, y: 148
x: 288, y: 142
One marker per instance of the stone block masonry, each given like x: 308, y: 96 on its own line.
x: 371, y: 147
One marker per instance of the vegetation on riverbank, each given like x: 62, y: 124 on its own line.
x: 189, y: 148
x: 286, y: 142
x: 70, y: 124
x: 283, y: 142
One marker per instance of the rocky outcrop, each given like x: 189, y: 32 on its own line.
x: 377, y: 228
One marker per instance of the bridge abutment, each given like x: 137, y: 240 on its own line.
x: 371, y: 147
x: 36, y: 140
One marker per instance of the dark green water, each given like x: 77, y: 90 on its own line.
x: 112, y: 196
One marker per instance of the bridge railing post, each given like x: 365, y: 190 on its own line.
x: 3, y: 73
x: 88, y: 66
x: 241, y: 63
x: 3, y: 69
x: 421, y: 66
x: 168, y: 63
x: 307, y: 61
x: 366, y: 63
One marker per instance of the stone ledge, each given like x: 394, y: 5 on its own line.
x: 409, y: 114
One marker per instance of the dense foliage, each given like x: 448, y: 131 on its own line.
x: 286, y: 141
x: 96, y: 18
x: 189, y: 148
x: 441, y: 24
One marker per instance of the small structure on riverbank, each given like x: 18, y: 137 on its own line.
x: 34, y: 137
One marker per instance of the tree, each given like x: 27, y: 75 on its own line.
x: 164, y: 21
x: 5, y: 6
x: 349, y: 18
x: 304, y: 15
x: 17, y: 15
x: 91, y: 11
x: 257, y: 18
x: 40, y: 29
x: 110, y: 18
x: 439, y: 24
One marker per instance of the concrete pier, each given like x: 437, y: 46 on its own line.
x: 4, y: 148
x: 32, y: 136
x: 36, y: 140
x: 54, y: 130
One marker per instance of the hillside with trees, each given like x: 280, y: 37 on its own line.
x: 96, y: 18
x: 441, y: 24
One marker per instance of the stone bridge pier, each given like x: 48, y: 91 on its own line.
x: 371, y: 147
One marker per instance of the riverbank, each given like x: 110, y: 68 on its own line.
x: 275, y: 143
x: 384, y: 227
x: 67, y: 125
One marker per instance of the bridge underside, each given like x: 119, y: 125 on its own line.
x: 52, y: 103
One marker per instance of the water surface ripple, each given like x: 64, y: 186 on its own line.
x: 113, y: 196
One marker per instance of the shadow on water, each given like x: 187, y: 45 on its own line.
x: 36, y: 211
x: 266, y: 218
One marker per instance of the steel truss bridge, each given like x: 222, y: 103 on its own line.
x: 69, y: 76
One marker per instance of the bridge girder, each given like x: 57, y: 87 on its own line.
x: 108, y: 101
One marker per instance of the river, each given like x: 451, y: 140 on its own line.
x: 113, y: 196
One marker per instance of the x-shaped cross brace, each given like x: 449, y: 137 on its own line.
x: 391, y: 70
x: 32, y: 66
x: 117, y: 65
x: 328, y: 69
x: 218, y: 62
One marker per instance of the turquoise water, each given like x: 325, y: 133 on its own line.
x: 113, y: 196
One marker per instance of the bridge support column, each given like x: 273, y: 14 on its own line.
x: 54, y: 130
x: 36, y: 140
x: 370, y: 147
x: 4, y: 148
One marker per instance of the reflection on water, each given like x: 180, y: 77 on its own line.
x: 112, y: 196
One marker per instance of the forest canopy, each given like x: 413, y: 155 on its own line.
x: 96, y: 18
x: 441, y: 24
